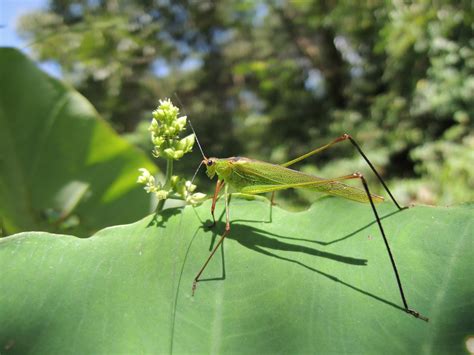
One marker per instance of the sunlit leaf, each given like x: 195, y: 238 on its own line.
x: 312, y: 282
x: 58, y: 158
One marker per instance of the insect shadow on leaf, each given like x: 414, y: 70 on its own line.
x: 261, y: 241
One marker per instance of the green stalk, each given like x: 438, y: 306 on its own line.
x: 167, y: 184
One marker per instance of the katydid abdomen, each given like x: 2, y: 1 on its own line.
x: 253, y: 177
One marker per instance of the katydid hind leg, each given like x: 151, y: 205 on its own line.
x: 226, y: 232
x: 354, y: 143
x: 343, y: 138
x: 370, y: 199
x: 392, y: 260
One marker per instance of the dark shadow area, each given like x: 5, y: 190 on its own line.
x: 208, y: 225
x: 330, y: 277
x: 360, y: 229
x: 160, y: 219
x: 23, y: 337
x: 258, y: 239
x: 254, y: 238
x: 319, y: 241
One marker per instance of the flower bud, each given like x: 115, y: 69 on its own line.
x: 165, y: 128
x: 161, y: 194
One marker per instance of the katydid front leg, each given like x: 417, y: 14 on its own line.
x: 219, y: 185
x: 226, y: 232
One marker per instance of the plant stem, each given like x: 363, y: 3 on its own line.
x: 169, y: 174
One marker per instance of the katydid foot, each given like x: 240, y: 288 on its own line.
x: 416, y: 314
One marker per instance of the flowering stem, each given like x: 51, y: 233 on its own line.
x: 169, y: 174
x: 165, y: 128
x: 160, y: 205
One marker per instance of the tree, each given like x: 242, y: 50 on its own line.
x: 274, y: 79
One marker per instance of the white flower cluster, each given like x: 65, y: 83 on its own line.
x: 165, y: 128
x: 180, y: 188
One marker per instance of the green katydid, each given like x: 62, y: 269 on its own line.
x: 250, y: 176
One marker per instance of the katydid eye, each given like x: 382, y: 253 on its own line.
x: 210, y: 162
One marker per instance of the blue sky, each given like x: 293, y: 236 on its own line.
x: 10, y: 11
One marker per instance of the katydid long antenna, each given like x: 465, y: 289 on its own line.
x: 195, y: 173
x: 197, y: 140
x: 200, y: 148
x: 195, y: 137
x: 192, y: 129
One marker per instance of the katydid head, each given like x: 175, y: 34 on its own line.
x: 209, y: 161
x: 210, y: 164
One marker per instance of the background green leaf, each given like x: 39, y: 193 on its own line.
x: 318, y: 281
x: 58, y: 158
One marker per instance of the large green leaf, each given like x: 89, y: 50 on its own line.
x: 58, y: 157
x: 318, y: 281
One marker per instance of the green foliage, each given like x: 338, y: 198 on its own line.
x: 313, y: 282
x: 272, y: 80
x: 61, y: 166
x: 264, y: 79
